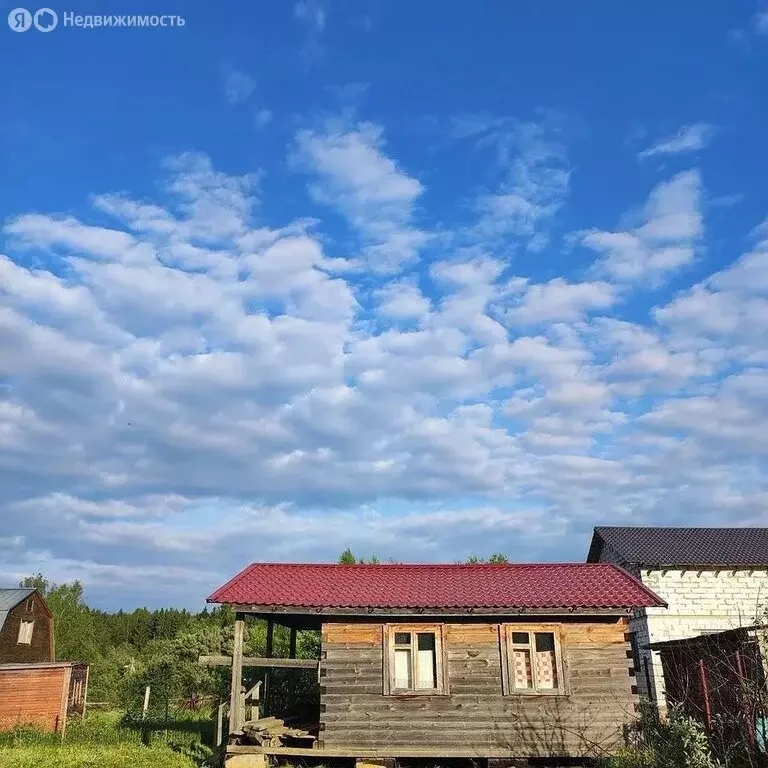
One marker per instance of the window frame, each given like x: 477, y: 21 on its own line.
x: 22, y: 625
x: 441, y: 659
x: 506, y: 648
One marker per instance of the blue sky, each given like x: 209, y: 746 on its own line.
x: 301, y: 276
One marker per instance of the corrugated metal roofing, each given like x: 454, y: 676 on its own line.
x: 658, y: 546
x: 9, y: 599
x: 538, y: 586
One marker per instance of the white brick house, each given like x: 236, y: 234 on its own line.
x: 711, y: 578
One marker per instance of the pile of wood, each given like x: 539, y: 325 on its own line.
x: 273, y: 732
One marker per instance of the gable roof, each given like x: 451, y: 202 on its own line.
x: 9, y: 599
x: 465, y: 587
x: 656, y: 547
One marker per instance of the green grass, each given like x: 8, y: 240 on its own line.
x: 109, y: 740
x: 92, y: 756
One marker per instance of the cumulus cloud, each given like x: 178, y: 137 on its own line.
x: 179, y: 371
x: 665, y: 240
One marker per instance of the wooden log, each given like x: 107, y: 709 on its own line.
x: 236, y: 713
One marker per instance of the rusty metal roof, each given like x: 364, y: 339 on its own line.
x: 515, y: 586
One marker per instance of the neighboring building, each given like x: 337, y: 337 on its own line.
x: 720, y: 680
x: 26, y: 627
x: 713, y: 579
x: 505, y: 661
x: 43, y: 695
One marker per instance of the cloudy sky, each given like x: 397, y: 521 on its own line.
x: 422, y: 280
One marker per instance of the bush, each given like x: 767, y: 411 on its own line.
x: 678, y: 741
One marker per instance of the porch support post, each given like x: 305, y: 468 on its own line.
x: 236, y: 709
x: 292, y: 651
x: 268, y: 673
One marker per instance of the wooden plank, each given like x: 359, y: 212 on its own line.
x: 236, y: 714
x: 416, y: 751
x: 259, y: 661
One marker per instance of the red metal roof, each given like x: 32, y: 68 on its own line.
x: 565, y: 585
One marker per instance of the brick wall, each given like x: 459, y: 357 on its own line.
x: 699, y: 601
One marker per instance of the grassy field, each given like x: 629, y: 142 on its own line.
x: 106, y: 740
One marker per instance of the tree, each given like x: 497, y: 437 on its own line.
x: 347, y: 558
x: 38, y: 582
x: 495, y: 559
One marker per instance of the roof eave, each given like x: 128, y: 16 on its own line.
x: 429, y: 611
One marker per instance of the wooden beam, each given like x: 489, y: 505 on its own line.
x: 292, y: 649
x: 470, y: 614
x: 381, y: 752
x: 236, y: 709
x: 270, y: 642
x: 259, y: 661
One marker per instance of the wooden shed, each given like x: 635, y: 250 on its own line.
x: 428, y: 661
x: 720, y: 678
x: 26, y: 627
x: 43, y: 695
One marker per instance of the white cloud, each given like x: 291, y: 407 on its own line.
x: 664, y: 241
x: 189, y: 349
x: 535, y: 184
x: 238, y: 86
x: 561, y: 300
x: 689, y: 138
x: 262, y: 118
x: 368, y: 187
x: 311, y: 13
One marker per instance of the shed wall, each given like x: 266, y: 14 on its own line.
x: 475, y: 712
x: 34, y: 696
x: 41, y: 648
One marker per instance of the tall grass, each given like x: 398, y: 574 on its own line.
x: 108, y: 740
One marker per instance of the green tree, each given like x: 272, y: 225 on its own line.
x: 347, y: 558
x: 38, y: 582
x: 495, y: 559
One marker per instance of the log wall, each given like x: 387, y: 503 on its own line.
x: 476, y: 712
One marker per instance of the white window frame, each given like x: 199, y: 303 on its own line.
x: 507, y: 647
x: 26, y: 632
x: 441, y: 665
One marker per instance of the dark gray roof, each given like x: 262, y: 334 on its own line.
x: 654, y: 547
x: 9, y: 599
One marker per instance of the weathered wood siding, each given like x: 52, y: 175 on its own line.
x: 41, y: 648
x: 34, y: 696
x: 475, y: 712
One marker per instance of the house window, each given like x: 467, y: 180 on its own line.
x: 29, y: 606
x: 414, y: 661
x: 533, y: 657
x: 25, y: 632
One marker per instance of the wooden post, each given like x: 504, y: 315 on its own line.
x: 220, y: 724
x: 292, y: 649
x: 146, y: 704
x: 270, y: 641
x: 235, y: 700
x: 705, y: 694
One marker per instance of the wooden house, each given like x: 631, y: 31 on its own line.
x: 26, y: 627
x: 43, y: 695
x: 482, y: 661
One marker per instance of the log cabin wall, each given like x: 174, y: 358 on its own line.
x: 477, y: 711
x: 41, y: 646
